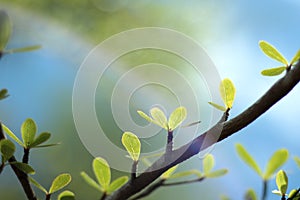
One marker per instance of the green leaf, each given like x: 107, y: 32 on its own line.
x: 102, y: 172
x: 47, y: 145
x: 297, y: 160
x: 116, y: 184
x: 23, y: 49
x: 282, y: 181
x: 186, y: 173
x: 159, y: 118
x: 7, y: 149
x: 276, y: 161
x: 296, y: 58
x: 250, y: 195
x: 60, y: 182
x: 28, y: 131
x: 293, y: 193
x: 217, y: 106
x: 24, y: 167
x: 36, y: 184
x: 216, y: 173
x: 177, y: 117
x: 169, y: 172
x: 91, y: 181
x: 43, y: 137
x: 132, y: 144
x: 227, y: 91
x: 144, y: 115
x: 6, y: 29
x: 273, y: 71
x: 208, y: 163
x: 247, y: 158
x: 66, y: 195
x: 277, y: 192
x: 272, y: 52
x: 3, y: 94
x: 12, y: 135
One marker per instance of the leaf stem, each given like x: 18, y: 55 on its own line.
x: 103, y: 196
x: 133, y: 170
x: 48, y: 196
x: 169, y: 147
x: 264, y: 192
x: 26, y: 156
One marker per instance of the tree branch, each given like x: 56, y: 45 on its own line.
x: 281, y: 88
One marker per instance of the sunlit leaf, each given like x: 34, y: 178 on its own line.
x: 144, y: 115
x: 169, y: 172
x: 60, y: 182
x: 23, y: 49
x: 217, y: 106
x: 102, y: 172
x: 24, y: 167
x: 186, y: 173
x: 247, y: 158
x: 216, y: 173
x: 208, y: 163
x: 277, y: 192
x: 159, y: 118
x: 36, y: 184
x: 250, y: 195
x: 296, y: 57
x: 294, y: 193
x: 276, y: 161
x: 3, y: 93
x: 273, y: 71
x: 282, y: 181
x: 5, y: 29
x: 272, y: 52
x: 91, y: 181
x: 116, y: 184
x: 12, y: 135
x: 28, y: 131
x: 227, y: 91
x: 132, y: 144
x: 297, y: 160
x: 7, y: 148
x: 177, y: 117
x: 43, y: 137
x: 66, y: 195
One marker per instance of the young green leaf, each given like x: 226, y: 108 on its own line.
x: 6, y: 29
x: 186, y: 173
x: 7, y: 149
x: 296, y: 58
x: 102, y: 172
x: 132, y: 144
x: 24, y: 167
x: 116, y: 184
x: 227, y: 91
x: 66, y: 195
x: 273, y: 71
x: 169, y: 172
x: 36, y: 184
x: 43, y: 137
x: 208, y: 163
x: 216, y: 173
x: 12, y: 135
x: 60, y: 182
x: 247, y: 158
x: 23, y: 49
x: 159, y: 118
x: 144, y: 115
x: 282, y: 182
x: 294, y: 193
x: 272, y: 52
x: 277, y: 192
x: 276, y: 161
x: 297, y: 160
x: 177, y: 117
x: 250, y: 195
x: 217, y: 106
x: 28, y: 131
x: 91, y: 181
x: 3, y: 93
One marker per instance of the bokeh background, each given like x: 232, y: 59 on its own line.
x: 40, y: 83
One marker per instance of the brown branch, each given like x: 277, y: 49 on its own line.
x: 281, y: 88
x: 22, y: 177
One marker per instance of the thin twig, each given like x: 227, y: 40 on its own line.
x: 169, y: 147
x: 149, y: 190
x: 25, y: 158
x: 134, y: 169
x: 265, y: 188
x: 184, y: 182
